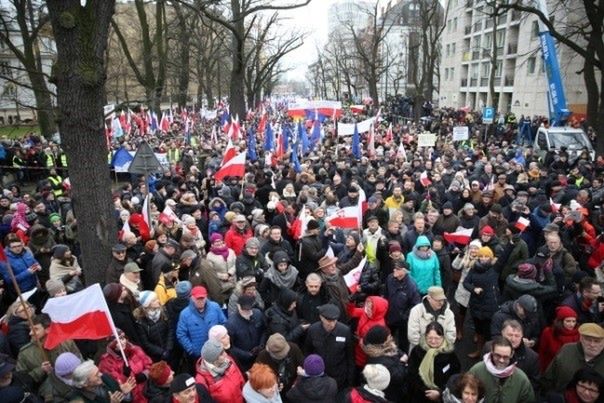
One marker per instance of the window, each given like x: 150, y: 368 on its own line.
x: 455, y: 24
x: 448, y: 49
x: 500, y: 38
x: 449, y: 26
x: 453, y: 48
x: 452, y: 73
x: 446, y: 73
x: 485, y: 69
x: 498, y: 69
x: 535, y: 29
x: 530, y: 65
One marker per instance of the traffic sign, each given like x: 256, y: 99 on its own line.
x: 488, y: 114
x: 145, y: 161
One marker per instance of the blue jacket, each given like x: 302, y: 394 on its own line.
x: 193, y: 326
x: 425, y: 271
x: 19, y: 263
x: 245, y: 336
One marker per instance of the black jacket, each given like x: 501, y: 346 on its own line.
x: 271, y: 247
x: 247, y: 337
x: 445, y: 365
x: 311, y: 251
x: 483, y: 305
x: 402, y: 296
x: 254, y: 266
x: 530, y: 324
x: 307, y: 305
x: 336, y: 349
x: 318, y: 389
x: 124, y: 320
x: 156, y: 338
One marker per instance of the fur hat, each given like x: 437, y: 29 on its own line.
x: 377, y: 376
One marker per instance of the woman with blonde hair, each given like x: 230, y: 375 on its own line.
x: 461, y: 266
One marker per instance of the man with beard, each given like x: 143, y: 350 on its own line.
x: 352, y: 199
x: 447, y: 221
x: 495, y: 220
x: 374, y: 208
x: 503, y: 382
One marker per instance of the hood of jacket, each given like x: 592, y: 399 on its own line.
x: 422, y: 240
x: 379, y: 309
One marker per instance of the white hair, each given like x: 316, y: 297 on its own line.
x: 82, y: 372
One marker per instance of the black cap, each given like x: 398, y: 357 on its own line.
x: 181, y: 382
x: 246, y: 302
x: 119, y: 247
x: 312, y: 224
x: 329, y: 311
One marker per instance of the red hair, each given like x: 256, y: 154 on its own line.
x: 261, y: 376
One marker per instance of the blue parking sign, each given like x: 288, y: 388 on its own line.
x: 488, y: 114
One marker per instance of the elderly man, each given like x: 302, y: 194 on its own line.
x: 165, y: 256
x: 90, y: 385
x: 574, y: 356
x: 334, y: 342
x: 311, y: 249
x: 313, y: 296
x: 503, y: 382
x: 334, y: 283
x: 433, y: 308
x: 236, y: 237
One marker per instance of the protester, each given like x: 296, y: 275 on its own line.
x: 312, y: 384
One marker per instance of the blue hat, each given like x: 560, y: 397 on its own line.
x: 183, y: 289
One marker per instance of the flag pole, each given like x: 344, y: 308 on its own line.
x: 22, y: 300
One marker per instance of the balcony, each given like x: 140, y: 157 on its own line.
x: 512, y: 49
x: 464, y: 82
x: 508, y: 81
x: 497, y: 81
x: 467, y: 56
x: 484, y: 81
x: 473, y: 82
x: 475, y: 54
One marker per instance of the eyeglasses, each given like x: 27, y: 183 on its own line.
x: 500, y: 357
x: 588, y: 389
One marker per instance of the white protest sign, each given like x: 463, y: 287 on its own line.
x: 461, y: 133
x: 347, y: 129
x: 426, y: 139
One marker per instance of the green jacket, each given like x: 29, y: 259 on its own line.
x: 30, y: 358
x: 515, y: 389
x: 55, y: 390
x: 569, y: 359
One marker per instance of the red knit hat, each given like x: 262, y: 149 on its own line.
x: 563, y: 312
x: 488, y: 230
x: 160, y: 372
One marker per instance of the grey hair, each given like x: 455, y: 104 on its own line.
x: 314, y: 277
x: 82, y: 372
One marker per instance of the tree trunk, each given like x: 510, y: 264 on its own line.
x: 599, y: 123
x: 81, y: 34
x: 593, y: 95
x: 46, y: 115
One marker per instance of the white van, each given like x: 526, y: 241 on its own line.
x: 554, y: 138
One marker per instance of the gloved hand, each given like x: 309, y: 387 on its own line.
x: 127, y: 371
x: 140, y: 377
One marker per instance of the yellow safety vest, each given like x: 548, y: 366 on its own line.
x: 50, y: 161
x: 57, y: 185
x: 174, y: 155
x: 64, y: 160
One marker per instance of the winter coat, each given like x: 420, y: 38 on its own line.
x: 280, y: 320
x: 60, y: 271
x: 362, y: 395
x: 425, y: 271
x: 115, y: 270
x: 551, y: 341
x: 112, y: 364
x: 307, y: 304
x: 513, y: 254
x: 336, y: 349
x: 246, y: 335
x: 18, y: 334
x: 156, y: 338
x: 235, y: 239
x: 315, y: 389
x: 252, y: 396
x: 160, y: 260
x: 270, y: 291
x: 193, y: 326
x: 515, y: 287
x: 285, y: 368
x: 422, y: 314
x: 109, y: 385
x: 19, y: 263
x: 311, y: 251
x: 270, y: 247
x: 529, y: 324
x: 569, y: 359
x: 445, y: 365
x: 253, y: 266
x: 389, y: 356
x: 515, y: 389
x: 223, y: 389
x: 526, y: 359
x: 575, y: 301
x: 564, y: 265
x: 234, y: 298
x: 483, y: 305
x: 54, y: 390
x: 124, y: 320
x: 370, y: 281
x: 30, y: 359
x: 224, y: 269
x: 378, y: 314
x: 402, y: 295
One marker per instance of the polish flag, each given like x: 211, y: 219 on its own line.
x: 164, y: 124
x: 522, y: 223
x: 347, y: 217
x: 389, y: 135
x: 233, y: 167
x: 82, y: 315
x: 371, y: 142
x: 461, y: 236
x: 353, y: 277
x: 229, y: 152
x: 298, y: 226
x: 424, y: 179
x: 357, y: 108
x: 146, y: 212
x: 234, y: 130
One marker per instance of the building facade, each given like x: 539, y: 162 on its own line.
x: 520, y: 80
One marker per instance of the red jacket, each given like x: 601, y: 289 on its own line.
x: 597, y: 254
x: 235, y: 239
x: 550, y: 344
x: 112, y: 364
x: 380, y: 307
x: 226, y: 389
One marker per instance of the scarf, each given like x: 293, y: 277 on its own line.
x: 224, y: 251
x: 215, y: 370
x: 423, y: 254
x: 426, y: 367
x: 498, y: 373
x: 375, y: 392
x: 19, y: 221
x: 282, y: 280
x: 564, y: 335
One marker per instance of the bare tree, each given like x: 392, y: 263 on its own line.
x: 152, y: 74
x: 81, y: 34
x: 22, y: 23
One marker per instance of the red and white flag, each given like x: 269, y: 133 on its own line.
x: 522, y: 223
x: 298, y: 226
x: 229, y: 152
x: 390, y: 136
x: 233, y: 167
x: 555, y: 206
x: 347, y: 217
x: 357, y: 108
x: 81, y: 315
x: 234, y: 130
x: 353, y: 277
x: 371, y: 142
x: 424, y: 179
x: 461, y: 236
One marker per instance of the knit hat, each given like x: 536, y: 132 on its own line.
x: 376, y: 335
x: 183, y: 289
x: 468, y: 206
x: 211, y: 350
x: 277, y: 346
x: 312, y: 224
x: 496, y: 208
x: 528, y: 303
x: 160, y: 372
x: 476, y: 243
x: 252, y: 243
x: 181, y: 382
x: 487, y: 230
x: 217, y: 332
x: 187, y: 254
x: 112, y: 292
x: 314, y: 365
x: 54, y: 217
x: 58, y: 251
x: 215, y: 237
x: 66, y: 363
x: 394, y: 247
x: 377, y: 376
x: 146, y: 298
x: 563, y: 312
x: 527, y: 271
x: 485, y: 251
x: 167, y: 267
x: 54, y: 286
x: 280, y: 257
x: 448, y: 205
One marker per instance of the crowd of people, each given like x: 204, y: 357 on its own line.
x: 229, y: 295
